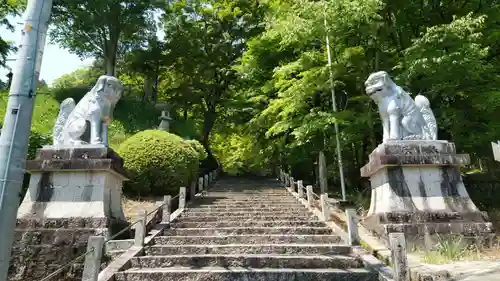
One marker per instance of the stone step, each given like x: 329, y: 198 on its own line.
x: 282, y: 217
x: 247, y: 260
x: 247, y: 230
x: 282, y: 249
x: 248, y: 193
x: 246, y: 239
x: 113, y: 254
x: 245, y: 274
x: 118, y: 244
x: 256, y: 206
x: 197, y: 213
x: 234, y: 223
x: 247, y: 198
x: 242, y: 209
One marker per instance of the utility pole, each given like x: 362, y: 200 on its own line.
x: 17, y: 122
x: 334, y: 106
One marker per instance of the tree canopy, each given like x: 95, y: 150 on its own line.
x: 250, y: 79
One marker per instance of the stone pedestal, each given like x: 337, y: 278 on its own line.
x: 75, y: 182
x: 417, y: 189
x: 74, y: 193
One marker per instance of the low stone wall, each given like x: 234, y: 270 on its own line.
x: 42, y: 247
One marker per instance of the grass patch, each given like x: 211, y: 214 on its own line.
x: 450, y: 249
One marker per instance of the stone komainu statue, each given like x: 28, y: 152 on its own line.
x: 402, y: 117
x: 93, y: 113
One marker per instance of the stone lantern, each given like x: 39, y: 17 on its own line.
x: 165, y: 116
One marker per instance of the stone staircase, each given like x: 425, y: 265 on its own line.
x: 247, y: 230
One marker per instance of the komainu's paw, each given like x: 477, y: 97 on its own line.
x: 413, y: 137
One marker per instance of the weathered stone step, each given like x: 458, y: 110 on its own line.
x: 113, y: 254
x: 234, y: 223
x: 250, y: 206
x: 243, y: 209
x: 246, y: 239
x: 282, y: 249
x: 247, y: 260
x: 247, y: 230
x: 245, y: 274
x: 197, y: 212
x: 118, y: 244
x: 246, y: 218
x: 249, y: 193
x: 247, y: 198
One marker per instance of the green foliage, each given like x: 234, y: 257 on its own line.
x: 36, y: 141
x: 198, y: 147
x: 449, y: 249
x: 159, y: 162
x: 204, y: 40
x: 8, y: 8
x: 239, y: 155
x: 76, y: 84
x: 102, y: 28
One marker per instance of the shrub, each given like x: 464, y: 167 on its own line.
x: 159, y: 163
x: 76, y: 93
x: 200, y: 149
x: 36, y: 141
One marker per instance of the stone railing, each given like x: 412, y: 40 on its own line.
x: 162, y: 214
x: 325, y: 206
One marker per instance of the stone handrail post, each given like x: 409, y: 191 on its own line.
x: 205, y: 179
x: 397, y: 243
x: 309, y: 193
x: 140, y: 229
x: 92, y: 265
x: 300, y: 188
x: 352, y: 227
x: 200, y: 184
x: 292, y: 184
x: 167, y: 201
x: 192, y: 190
x: 182, y: 198
x: 325, y: 209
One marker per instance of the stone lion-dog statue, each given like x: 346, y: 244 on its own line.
x: 94, y: 112
x: 402, y: 117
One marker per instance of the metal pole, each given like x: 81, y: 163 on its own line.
x: 17, y: 122
x: 334, y: 105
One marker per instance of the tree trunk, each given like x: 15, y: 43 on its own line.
x: 208, y: 124
x: 110, y: 50
x: 155, y: 91
x: 110, y: 60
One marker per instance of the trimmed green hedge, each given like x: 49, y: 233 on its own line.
x: 196, y: 145
x: 159, y: 163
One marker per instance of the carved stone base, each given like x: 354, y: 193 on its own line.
x: 417, y: 189
x: 74, y: 193
x: 78, y: 182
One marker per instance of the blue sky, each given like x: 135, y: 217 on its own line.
x: 56, y: 60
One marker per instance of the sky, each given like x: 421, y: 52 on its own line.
x: 56, y: 61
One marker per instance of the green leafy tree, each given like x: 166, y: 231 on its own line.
x: 204, y: 40
x: 148, y: 63
x: 102, y: 28
x: 7, y: 8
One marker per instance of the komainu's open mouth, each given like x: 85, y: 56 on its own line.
x: 373, y: 89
